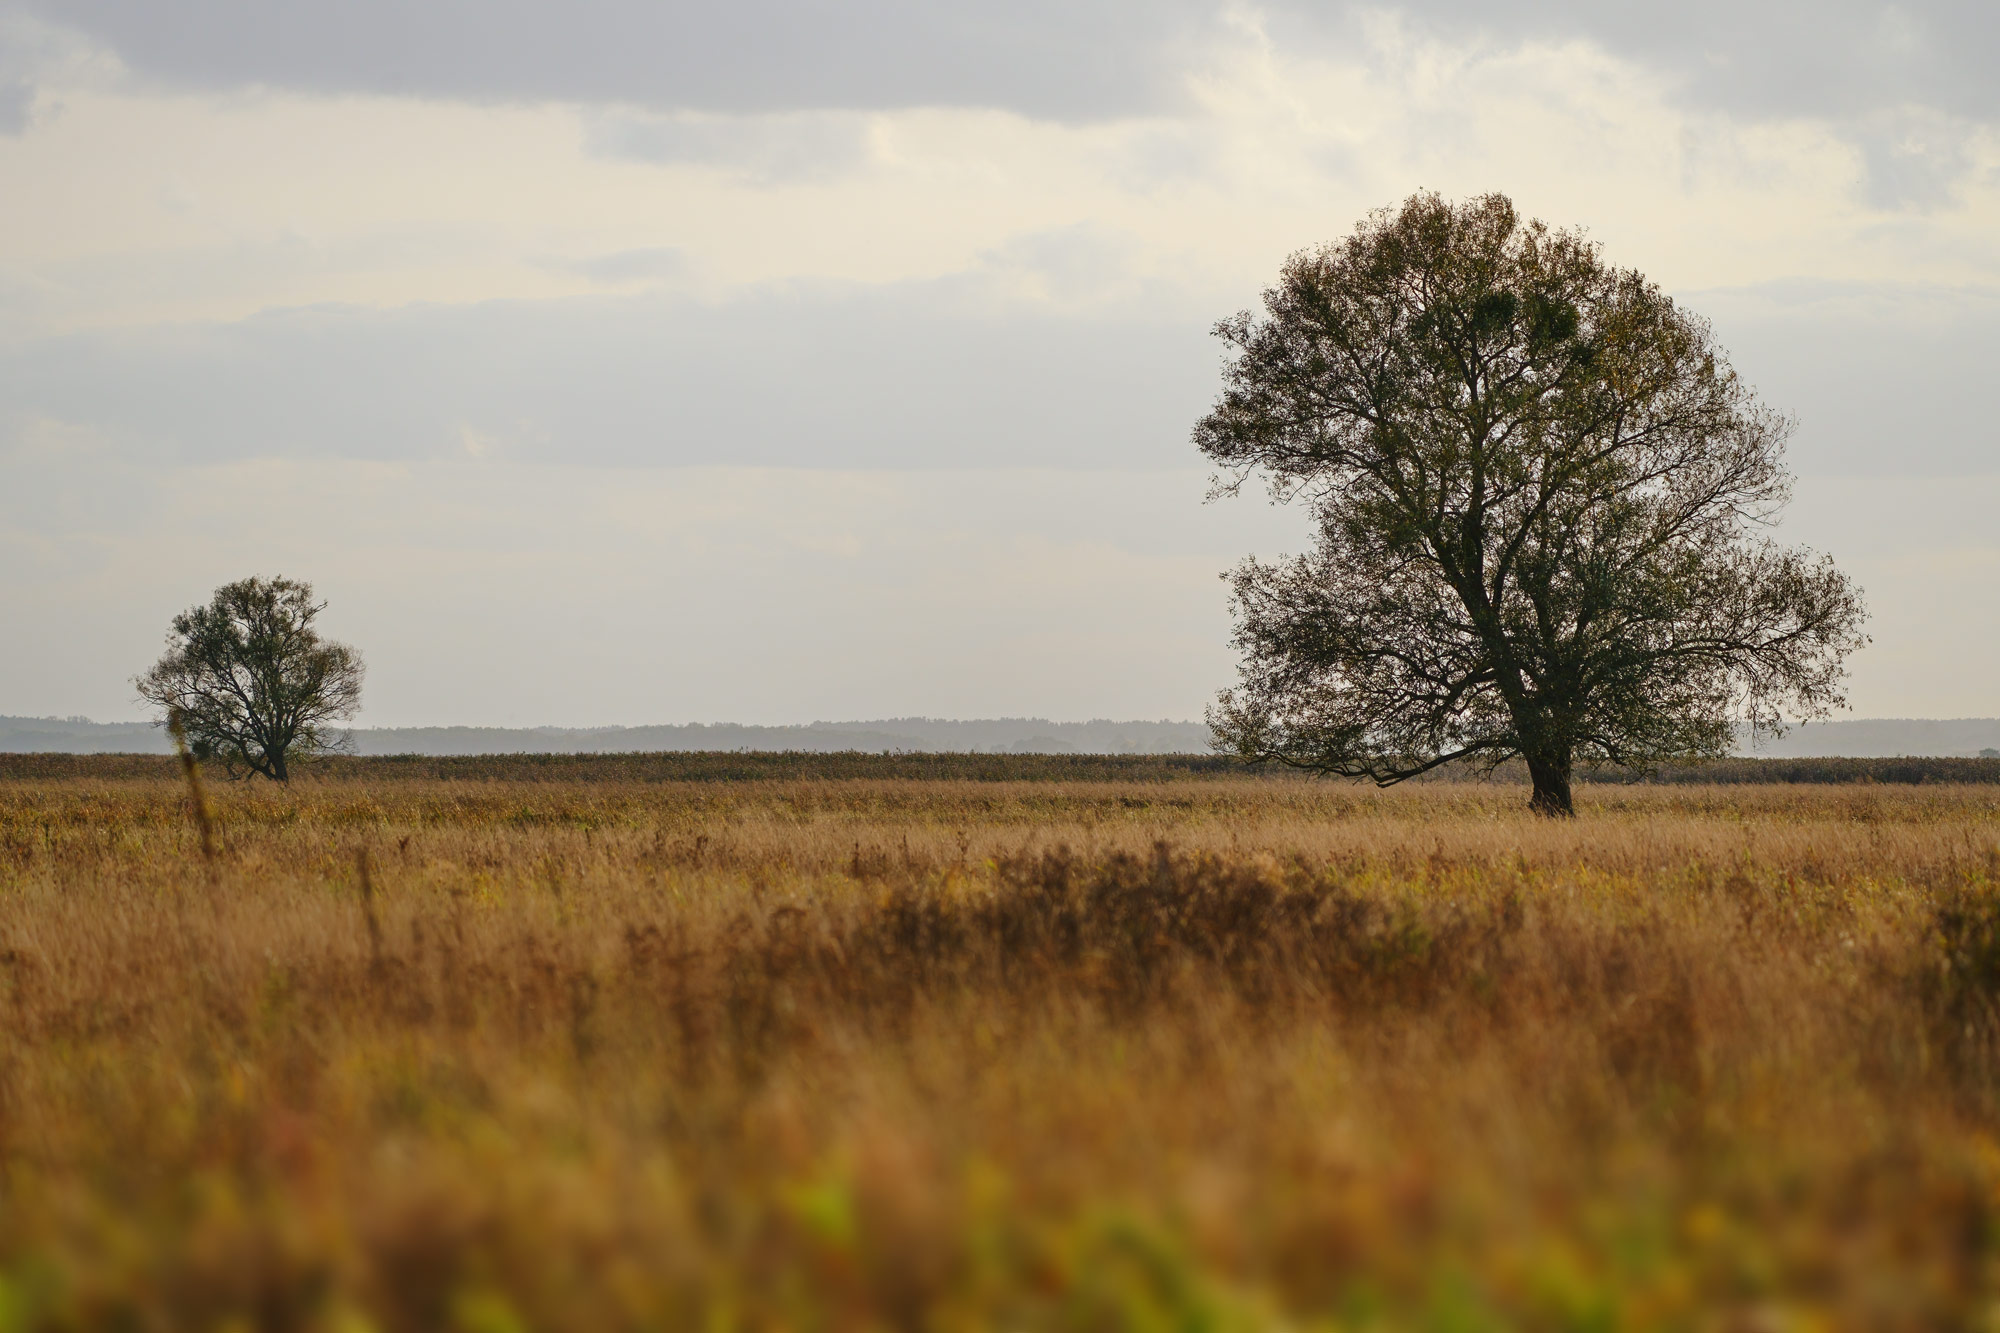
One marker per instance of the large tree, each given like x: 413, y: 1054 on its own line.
x: 1540, y: 494
x: 250, y: 680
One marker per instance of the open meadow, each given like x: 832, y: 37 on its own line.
x: 1203, y: 1051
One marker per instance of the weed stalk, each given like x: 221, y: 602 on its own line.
x: 368, y: 910
x: 196, y: 793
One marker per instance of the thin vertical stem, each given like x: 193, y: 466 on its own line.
x: 196, y: 792
x: 368, y: 910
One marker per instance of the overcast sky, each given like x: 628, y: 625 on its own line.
x: 628, y: 361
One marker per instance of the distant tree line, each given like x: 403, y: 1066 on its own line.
x: 742, y: 766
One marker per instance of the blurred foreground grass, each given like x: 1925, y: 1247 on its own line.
x: 1207, y: 1054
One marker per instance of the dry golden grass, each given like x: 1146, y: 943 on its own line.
x: 850, y: 1055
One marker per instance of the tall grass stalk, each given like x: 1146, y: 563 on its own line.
x: 197, y: 796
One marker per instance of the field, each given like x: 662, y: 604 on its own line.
x: 419, y: 1051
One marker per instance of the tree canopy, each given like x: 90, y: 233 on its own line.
x: 251, y: 682
x: 1540, y: 497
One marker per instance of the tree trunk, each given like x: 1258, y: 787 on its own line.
x: 277, y: 759
x: 1551, y: 778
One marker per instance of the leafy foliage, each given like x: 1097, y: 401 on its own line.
x: 1536, y: 482
x: 250, y: 681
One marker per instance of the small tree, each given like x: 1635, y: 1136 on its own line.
x: 252, y: 683
x: 1537, y: 486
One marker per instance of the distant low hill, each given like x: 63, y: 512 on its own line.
x: 1884, y: 738
x: 1860, y: 738
x: 78, y: 735
x: 1007, y: 735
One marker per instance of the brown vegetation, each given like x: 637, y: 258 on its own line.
x: 892, y: 1054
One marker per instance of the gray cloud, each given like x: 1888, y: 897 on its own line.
x: 1905, y: 83
x: 1080, y: 262
x: 650, y: 264
x: 1057, y: 58
x: 1914, y: 161
x: 769, y: 149
x: 1885, y: 380
x: 1763, y: 57
x: 30, y: 52
x: 1060, y: 58
x: 17, y: 99
x: 933, y: 374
